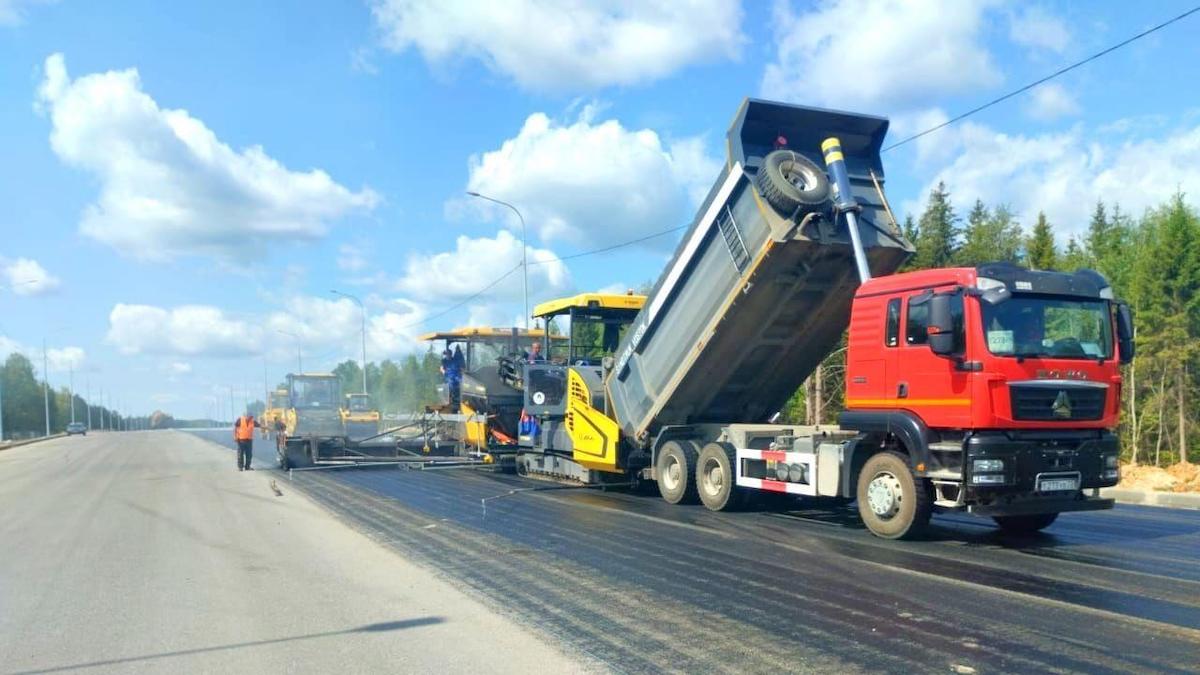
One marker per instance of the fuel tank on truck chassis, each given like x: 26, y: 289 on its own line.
x: 754, y: 299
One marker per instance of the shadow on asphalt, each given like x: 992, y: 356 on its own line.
x: 369, y: 628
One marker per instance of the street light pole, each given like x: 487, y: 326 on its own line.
x: 299, y: 362
x: 524, y: 249
x: 45, y: 387
x: 363, y: 308
x: 71, y: 390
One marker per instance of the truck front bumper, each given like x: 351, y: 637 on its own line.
x: 1027, y: 507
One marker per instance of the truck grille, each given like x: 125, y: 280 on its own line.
x: 1057, y: 404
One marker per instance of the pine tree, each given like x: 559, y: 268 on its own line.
x: 990, y: 236
x: 1040, y: 250
x: 1075, y: 257
x: 937, y: 231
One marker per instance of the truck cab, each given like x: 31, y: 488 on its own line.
x: 1000, y: 384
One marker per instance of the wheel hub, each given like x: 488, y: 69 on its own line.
x: 671, y: 474
x: 714, y: 477
x: 799, y: 176
x: 884, y: 495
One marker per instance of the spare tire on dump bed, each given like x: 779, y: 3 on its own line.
x: 792, y: 183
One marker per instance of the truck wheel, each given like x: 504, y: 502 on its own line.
x: 792, y: 183
x: 893, y: 503
x: 675, y: 470
x: 1025, y: 524
x: 715, y: 477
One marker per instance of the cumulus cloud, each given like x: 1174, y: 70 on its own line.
x: 168, y: 185
x: 1032, y: 26
x: 351, y: 258
x: 878, y: 55
x: 58, y: 359
x: 188, y: 330
x: 24, y: 276
x: 1051, y: 101
x: 476, y: 262
x: 564, y: 44
x: 325, y: 330
x: 589, y: 182
x: 1065, y: 172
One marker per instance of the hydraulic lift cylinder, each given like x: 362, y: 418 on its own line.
x: 844, y: 202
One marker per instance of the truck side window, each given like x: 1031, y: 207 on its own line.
x: 891, y: 336
x: 915, y: 332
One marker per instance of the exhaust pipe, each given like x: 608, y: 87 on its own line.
x: 844, y: 202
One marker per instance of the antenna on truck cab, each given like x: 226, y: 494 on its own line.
x: 844, y: 202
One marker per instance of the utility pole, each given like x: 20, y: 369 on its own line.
x: 363, y: 309
x: 45, y: 387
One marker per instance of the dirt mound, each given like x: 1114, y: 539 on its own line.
x: 1176, y: 478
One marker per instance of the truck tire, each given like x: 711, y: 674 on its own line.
x: 716, y: 482
x: 1025, y: 524
x: 792, y: 183
x: 675, y: 470
x: 893, y: 503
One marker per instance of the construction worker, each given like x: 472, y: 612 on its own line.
x: 280, y: 433
x: 243, y: 433
x: 452, y: 371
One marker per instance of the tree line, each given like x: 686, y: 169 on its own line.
x: 1152, y: 262
x: 401, y: 386
x: 24, y: 405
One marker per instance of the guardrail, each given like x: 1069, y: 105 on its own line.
x: 5, y: 445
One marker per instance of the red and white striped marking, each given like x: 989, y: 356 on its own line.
x: 807, y: 458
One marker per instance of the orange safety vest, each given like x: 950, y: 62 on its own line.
x: 243, y: 430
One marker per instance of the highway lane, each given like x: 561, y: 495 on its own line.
x: 149, y: 552
x: 642, y: 585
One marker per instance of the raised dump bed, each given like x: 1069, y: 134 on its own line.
x: 758, y: 293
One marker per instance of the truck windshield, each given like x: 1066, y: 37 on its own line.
x: 1039, y: 326
x: 360, y: 404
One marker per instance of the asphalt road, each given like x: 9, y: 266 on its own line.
x: 149, y: 552
x: 645, y: 586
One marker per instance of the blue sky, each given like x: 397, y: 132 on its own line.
x: 183, y: 182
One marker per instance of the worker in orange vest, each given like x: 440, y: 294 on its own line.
x: 243, y: 433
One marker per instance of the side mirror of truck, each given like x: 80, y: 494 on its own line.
x: 1125, y: 333
x: 941, y: 326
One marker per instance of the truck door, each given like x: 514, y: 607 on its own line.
x: 929, y: 385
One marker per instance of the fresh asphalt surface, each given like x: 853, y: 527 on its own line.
x: 150, y: 552
x: 641, y: 585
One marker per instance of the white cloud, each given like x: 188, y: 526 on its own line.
x: 879, y: 55
x: 592, y: 183
x: 62, y: 359
x: 12, y: 12
x: 188, y: 330
x: 566, y: 44
x: 1064, y: 173
x: 1051, y: 101
x: 476, y: 262
x: 351, y: 258
x: 168, y: 185
x: 58, y: 359
x: 328, y: 330
x: 1032, y: 26
x: 24, y: 276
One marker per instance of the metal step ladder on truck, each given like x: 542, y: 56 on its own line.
x: 989, y: 389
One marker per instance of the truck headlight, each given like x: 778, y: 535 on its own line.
x: 987, y: 466
x: 1112, y: 474
x: 988, y: 479
x: 1110, y: 461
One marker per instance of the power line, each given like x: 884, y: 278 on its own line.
x: 1047, y: 78
x: 606, y: 249
x: 464, y: 301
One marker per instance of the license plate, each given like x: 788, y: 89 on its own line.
x: 1058, y: 484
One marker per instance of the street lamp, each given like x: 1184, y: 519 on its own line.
x: 362, y: 307
x: 524, y: 264
x: 299, y: 362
